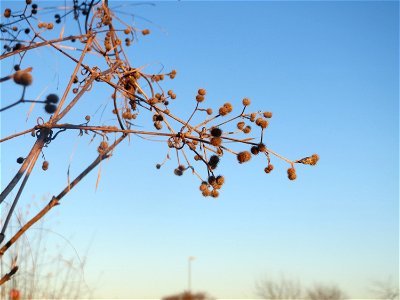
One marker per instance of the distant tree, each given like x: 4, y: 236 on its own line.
x: 292, y: 290
x: 93, y: 39
x: 386, y: 289
x: 189, y: 296
x: 325, y: 292
x: 282, y: 289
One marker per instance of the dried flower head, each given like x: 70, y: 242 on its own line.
x: 291, y: 173
x: 247, y: 129
x: 261, y: 147
x: 269, y: 168
x: 211, y: 179
x: 223, y: 111
x: 146, y: 31
x: 203, y: 186
x: 214, y: 193
x: 216, y: 141
x: 254, y: 150
x: 7, y: 13
x: 23, y: 78
x: 240, y: 125
x: 220, y: 180
x: 262, y: 123
x: 206, y: 193
x: 52, y: 98
x: 102, y: 147
x: 45, y: 165
x: 50, y: 108
x: 200, y: 98
x: 213, y: 162
x: 216, y: 132
x: 201, y: 92
x: 209, y: 111
x: 243, y: 156
x: 246, y: 101
x: 172, y: 74
x: 178, y: 172
x: 267, y: 114
x: 197, y: 157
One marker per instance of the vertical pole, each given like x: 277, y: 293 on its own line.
x: 190, y: 258
x: 189, y: 275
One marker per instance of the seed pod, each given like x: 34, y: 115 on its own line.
x: 7, y: 13
x: 45, y: 165
x: 102, y: 147
x: 267, y: 114
x: 20, y: 160
x: 211, y: 180
x: 178, y: 172
x: 291, y: 173
x: 214, y: 193
x: 240, y: 125
x: 269, y: 168
x: 247, y: 129
x: 199, y: 98
x: 220, y: 180
x: 216, y: 141
x: 254, y: 150
x: 23, y: 78
x: 50, y: 108
x: 203, y: 186
x: 172, y: 74
x: 52, y: 98
x: 246, y: 101
x: 262, y: 147
x: 87, y: 118
x: 216, y: 132
x: 201, y: 92
x: 244, y: 156
x: 146, y: 31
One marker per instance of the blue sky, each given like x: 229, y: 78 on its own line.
x: 329, y: 73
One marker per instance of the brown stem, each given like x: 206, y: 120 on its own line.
x: 55, y: 200
x: 37, y: 147
x: 55, y: 117
x: 16, y: 134
x: 8, y: 276
x: 37, y: 45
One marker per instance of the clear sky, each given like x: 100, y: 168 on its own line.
x: 329, y: 72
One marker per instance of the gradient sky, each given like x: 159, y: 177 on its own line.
x: 329, y: 73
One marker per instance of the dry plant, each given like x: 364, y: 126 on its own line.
x: 49, y: 265
x: 96, y: 44
x: 292, y: 289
